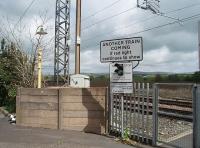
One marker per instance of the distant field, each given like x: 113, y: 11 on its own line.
x: 176, y: 92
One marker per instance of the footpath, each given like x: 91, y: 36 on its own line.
x: 12, y: 136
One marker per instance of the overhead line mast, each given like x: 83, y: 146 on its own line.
x: 62, y: 41
x: 78, y: 37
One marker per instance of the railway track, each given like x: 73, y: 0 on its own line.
x: 173, y: 108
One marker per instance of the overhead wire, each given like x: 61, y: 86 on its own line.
x: 167, y: 24
x: 157, y: 27
x: 143, y: 20
x: 101, y: 10
x: 172, y: 11
x: 24, y: 13
x: 87, y: 27
x: 110, y: 17
x: 179, y: 9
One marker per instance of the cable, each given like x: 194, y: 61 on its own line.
x: 87, y: 27
x: 189, y: 6
x: 192, y: 5
x: 110, y: 5
x: 173, y: 18
x: 26, y: 10
x: 143, y: 20
x: 167, y: 24
x: 138, y: 62
x: 120, y: 28
x: 160, y: 26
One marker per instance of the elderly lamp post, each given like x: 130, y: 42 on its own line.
x: 40, y: 31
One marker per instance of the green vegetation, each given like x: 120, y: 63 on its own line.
x: 103, y: 80
x: 170, y: 78
x: 126, y: 134
x: 16, y: 70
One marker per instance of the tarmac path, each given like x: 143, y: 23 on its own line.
x: 12, y: 136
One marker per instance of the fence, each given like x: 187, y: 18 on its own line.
x: 63, y: 108
x: 174, y: 115
x: 133, y: 113
x: 165, y: 114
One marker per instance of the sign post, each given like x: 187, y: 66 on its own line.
x: 121, y: 52
x: 122, y: 119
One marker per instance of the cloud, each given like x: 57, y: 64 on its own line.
x: 90, y: 62
x: 171, y: 48
x: 164, y: 60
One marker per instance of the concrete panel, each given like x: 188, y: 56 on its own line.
x: 83, y: 122
x: 63, y: 108
x: 42, y: 99
x: 83, y: 99
x: 39, y: 106
x: 39, y: 113
x: 39, y: 92
x: 95, y: 91
x: 83, y: 107
x: 83, y: 114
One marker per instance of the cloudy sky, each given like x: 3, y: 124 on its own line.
x: 167, y: 48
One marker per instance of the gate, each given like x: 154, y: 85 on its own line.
x: 173, y: 108
x: 166, y: 115
x: 132, y: 113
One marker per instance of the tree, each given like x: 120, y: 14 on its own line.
x: 173, y: 78
x: 3, y: 43
x: 196, y: 77
x: 15, y: 71
x: 17, y: 61
x: 158, y: 78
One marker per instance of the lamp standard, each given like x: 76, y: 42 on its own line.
x: 40, y: 31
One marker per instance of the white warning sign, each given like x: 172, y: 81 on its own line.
x: 126, y: 88
x: 127, y: 49
x: 127, y: 75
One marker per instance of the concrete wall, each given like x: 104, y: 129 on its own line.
x: 78, y: 109
x: 37, y: 108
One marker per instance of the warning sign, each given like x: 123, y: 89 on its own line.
x: 127, y: 49
x: 127, y: 75
x: 122, y: 88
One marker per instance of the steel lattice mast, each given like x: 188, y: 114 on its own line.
x: 62, y: 39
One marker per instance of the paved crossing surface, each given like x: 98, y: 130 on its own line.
x: 12, y: 136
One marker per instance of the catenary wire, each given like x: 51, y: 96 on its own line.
x: 99, y: 11
x: 24, y: 13
x: 157, y: 27
x: 143, y: 20
x: 87, y: 27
